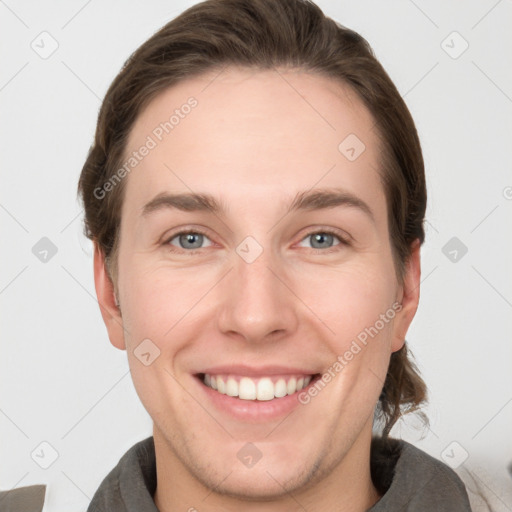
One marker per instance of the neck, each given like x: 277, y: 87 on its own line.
x: 346, y: 486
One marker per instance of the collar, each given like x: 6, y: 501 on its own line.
x: 407, y: 478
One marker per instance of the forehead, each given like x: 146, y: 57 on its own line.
x: 254, y: 134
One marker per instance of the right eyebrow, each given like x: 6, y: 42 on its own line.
x: 185, y: 202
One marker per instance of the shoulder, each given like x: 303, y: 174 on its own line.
x: 416, y: 481
x: 23, y: 499
x: 131, y: 483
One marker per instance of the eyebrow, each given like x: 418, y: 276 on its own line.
x: 310, y: 200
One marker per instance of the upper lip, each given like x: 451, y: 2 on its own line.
x: 260, y: 371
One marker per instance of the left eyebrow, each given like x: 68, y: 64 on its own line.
x: 310, y: 200
x: 320, y: 199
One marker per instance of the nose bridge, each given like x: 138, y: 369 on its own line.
x: 257, y: 302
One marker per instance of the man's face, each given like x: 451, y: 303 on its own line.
x: 258, y: 297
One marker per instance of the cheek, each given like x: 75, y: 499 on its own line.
x: 348, y: 300
x: 162, y: 304
x: 159, y: 317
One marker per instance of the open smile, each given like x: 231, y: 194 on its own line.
x: 263, y: 388
x: 250, y: 398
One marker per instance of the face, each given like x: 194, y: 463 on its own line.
x: 287, y: 299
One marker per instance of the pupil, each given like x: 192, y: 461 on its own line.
x: 321, y: 237
x: 189, y: 238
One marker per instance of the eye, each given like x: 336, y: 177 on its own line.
x: 192, y: 240
x: 324, y: 240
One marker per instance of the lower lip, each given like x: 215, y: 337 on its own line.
x: 253, y: 411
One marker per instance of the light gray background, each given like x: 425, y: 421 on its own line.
x: 61, y: 380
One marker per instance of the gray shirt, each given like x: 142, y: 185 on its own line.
x: 408, y: 478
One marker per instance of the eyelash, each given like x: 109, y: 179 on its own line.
x: 343, y: 241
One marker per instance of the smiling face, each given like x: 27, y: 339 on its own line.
x: 254, y: 251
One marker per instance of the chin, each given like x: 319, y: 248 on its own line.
x: 268, y: 479
x: 263, y: 484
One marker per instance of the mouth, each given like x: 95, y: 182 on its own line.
x: 257, y: 389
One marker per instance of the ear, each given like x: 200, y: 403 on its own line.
x: 410, y: 296
x: 106, y: 298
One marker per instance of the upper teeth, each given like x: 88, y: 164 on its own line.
x: 265, y: 388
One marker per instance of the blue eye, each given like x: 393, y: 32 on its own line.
x: 324, y: 240
x: 188, y: 240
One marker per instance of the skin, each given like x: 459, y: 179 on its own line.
x: 254, y: 142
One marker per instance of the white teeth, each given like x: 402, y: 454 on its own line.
x: 246, y: 389
x: 221, y: 386
x: 292, y: 386
x: 265, y: 389
x: 280, y: 388
x: 256, y: 389
x: 232, y: 387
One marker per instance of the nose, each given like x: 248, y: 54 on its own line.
x: 258, y: 303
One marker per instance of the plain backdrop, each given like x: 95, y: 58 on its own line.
x: 64, y: 385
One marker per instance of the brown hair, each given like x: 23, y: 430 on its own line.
x: 264, y: 34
